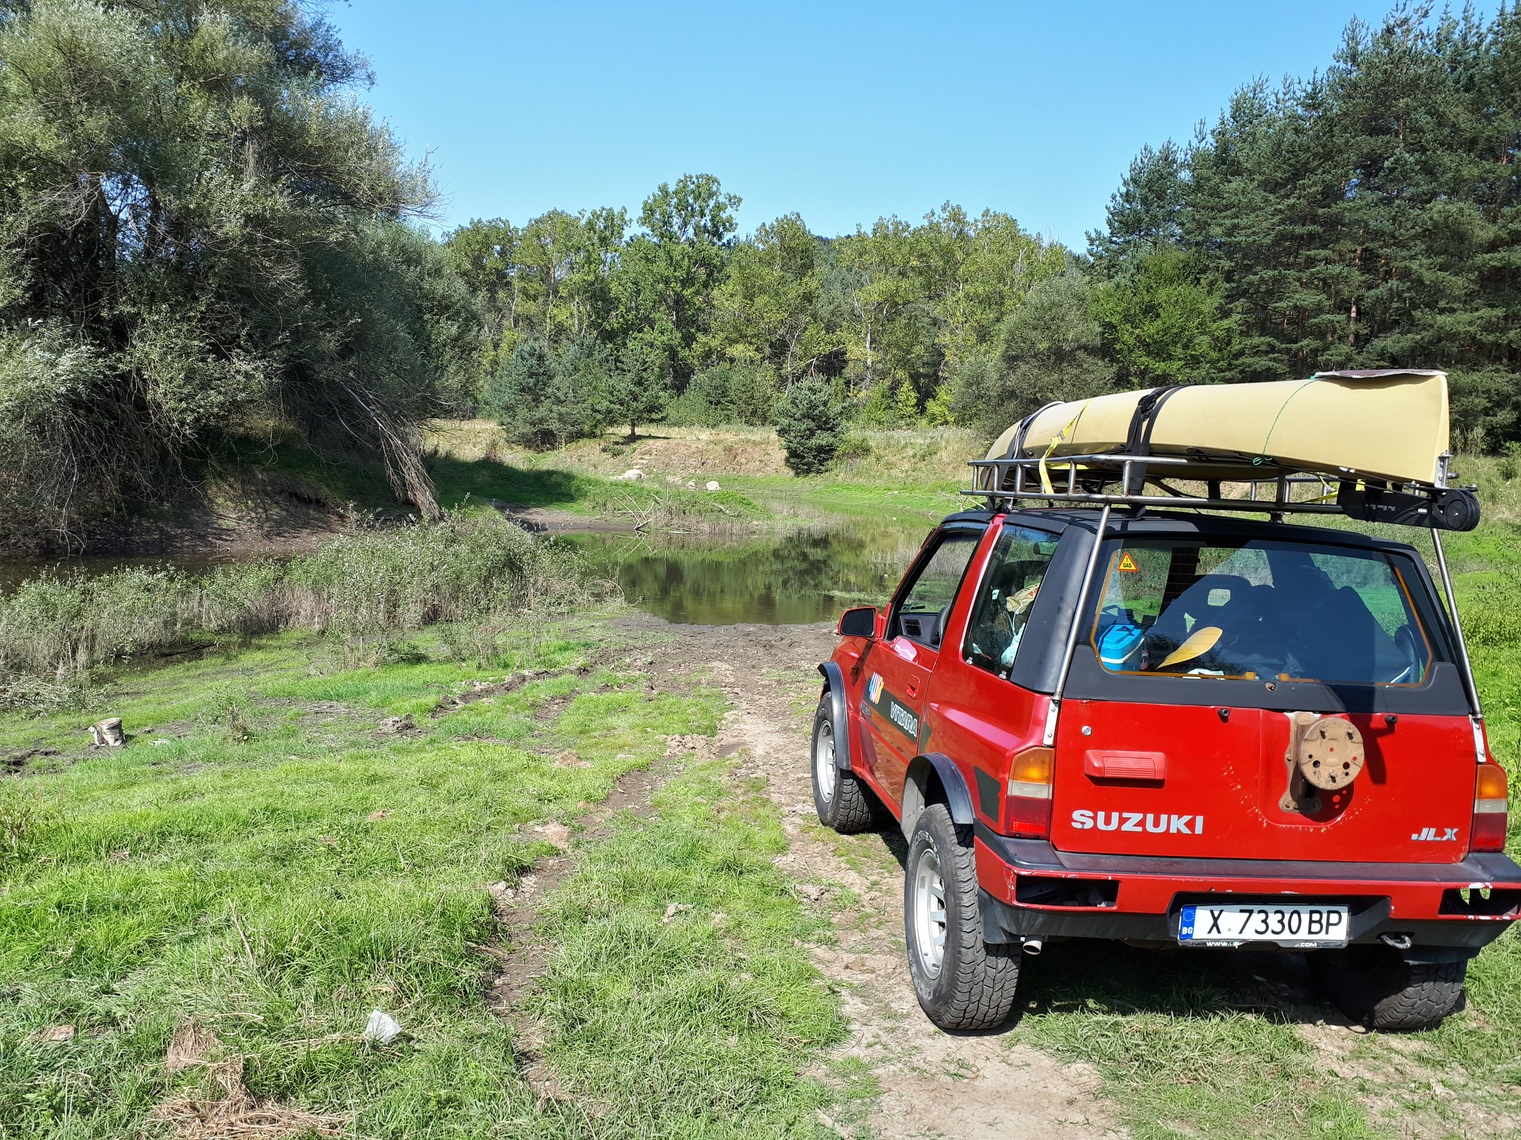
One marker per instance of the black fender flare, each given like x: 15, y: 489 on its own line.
x: 834, y: 689
x: 916, y: 786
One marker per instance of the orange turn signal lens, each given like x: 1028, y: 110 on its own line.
x: 1491, y: 784
x: 1490, y: 815
x: 1030, y: 773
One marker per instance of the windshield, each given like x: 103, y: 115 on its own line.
x: 1275, y: 610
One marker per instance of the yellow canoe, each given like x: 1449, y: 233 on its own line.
x: 1384, y: 424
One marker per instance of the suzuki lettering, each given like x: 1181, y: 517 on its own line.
x: 1153, y: 822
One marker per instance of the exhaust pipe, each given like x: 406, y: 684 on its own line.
x: 1031, y: 946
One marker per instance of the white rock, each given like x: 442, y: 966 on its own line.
x: 632, y: 474
x: 712, y: 485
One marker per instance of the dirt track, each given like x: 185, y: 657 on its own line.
x: 933, y: 1083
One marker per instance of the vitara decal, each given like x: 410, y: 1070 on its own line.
x: 1156, y: 823
x: 1429, y: 835
x: 903, y: 718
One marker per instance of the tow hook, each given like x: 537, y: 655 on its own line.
x: 1032, y: 946
x: 1397, y: 941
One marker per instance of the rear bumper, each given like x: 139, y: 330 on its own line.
x: 1031, y: 890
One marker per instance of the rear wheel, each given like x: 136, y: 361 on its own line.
x: 1373, y: 985
x: 841, y: 799
x: 961, y: 981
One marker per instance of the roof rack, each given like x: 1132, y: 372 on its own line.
x: 1144, y: 481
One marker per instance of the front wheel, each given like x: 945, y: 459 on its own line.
x: 1374, y: 986
x: 841, y: 799
x: 961, y: 981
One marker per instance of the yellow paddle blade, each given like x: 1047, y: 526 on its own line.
x: 1200, y: 642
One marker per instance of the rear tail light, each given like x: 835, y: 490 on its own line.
x: 1489, y: 809
x: 1030, y: 793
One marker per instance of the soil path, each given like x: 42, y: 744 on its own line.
x: 933, y: 1083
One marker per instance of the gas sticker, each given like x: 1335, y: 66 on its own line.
x: 1127, y: 563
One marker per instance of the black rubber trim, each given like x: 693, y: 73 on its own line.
x: 988, y: 793
x: 1431, y: 941
x: 958, y: 799
x: 1037, y: 856
x: 1440, y: 694
x: 834, y: 687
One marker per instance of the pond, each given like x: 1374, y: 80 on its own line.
x: 806, y: 575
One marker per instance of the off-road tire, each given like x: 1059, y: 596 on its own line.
x: 1374, y: 986
x: 843, y: 801
x: 974, y: 985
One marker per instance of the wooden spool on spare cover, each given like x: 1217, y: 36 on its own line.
x: 1330, y: 753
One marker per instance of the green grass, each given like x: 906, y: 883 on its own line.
x: 278, y: 879
x: 1189, y: 1044
x: 693, y: 1023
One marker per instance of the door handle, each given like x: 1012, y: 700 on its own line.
x: 913, y: 688
x: 1143, y: 766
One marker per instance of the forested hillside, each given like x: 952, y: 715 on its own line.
x: 204, y: 235
x: 1364, y: 217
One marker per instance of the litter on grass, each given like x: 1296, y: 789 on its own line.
x: 382, y: 1028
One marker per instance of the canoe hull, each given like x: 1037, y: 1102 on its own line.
x: 1384, y: 425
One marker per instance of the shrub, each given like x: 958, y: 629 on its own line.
x: 544, y: 399
x: 361, y: 585
x: 727, y: 394
x: 810, y: 423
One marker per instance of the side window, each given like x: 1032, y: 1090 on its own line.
x: 1004, y: 599
x: 925, y: 602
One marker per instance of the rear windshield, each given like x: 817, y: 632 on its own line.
x: 1261, y: 609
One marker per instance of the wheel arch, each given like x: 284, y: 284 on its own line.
x: 839, y: 712
x: 934, y: 778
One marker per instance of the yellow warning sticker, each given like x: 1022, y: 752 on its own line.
x: 1127, y: 563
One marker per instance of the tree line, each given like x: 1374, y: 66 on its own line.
x: 1364, y: 217
x: 204, y: 234
x: 590, y: 319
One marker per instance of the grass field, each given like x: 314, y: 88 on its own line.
x: 313, y: 824
x: 265, y: 861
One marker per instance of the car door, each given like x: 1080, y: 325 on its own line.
x: 898, y: 669
x: 975, y: 714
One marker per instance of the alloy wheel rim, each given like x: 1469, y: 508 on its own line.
x: 929, y: 912
x: 823, y: 762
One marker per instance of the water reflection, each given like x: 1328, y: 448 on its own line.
x: 15, y: 571
x: 804, y: 576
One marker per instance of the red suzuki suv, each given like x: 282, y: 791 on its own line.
x: 1200, y: 731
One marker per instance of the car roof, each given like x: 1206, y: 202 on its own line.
x: 1172, y: 523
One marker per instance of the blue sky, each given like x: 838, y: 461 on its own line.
x: 841, y: 111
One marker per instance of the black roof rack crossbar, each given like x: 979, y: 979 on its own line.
x: 1084, y: 480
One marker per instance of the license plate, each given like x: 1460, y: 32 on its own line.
x: 1235, y: 923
